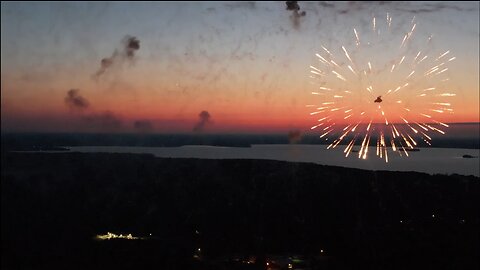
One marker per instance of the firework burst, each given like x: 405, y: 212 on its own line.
x: 381, y: 89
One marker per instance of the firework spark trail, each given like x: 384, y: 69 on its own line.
x: 366, y: 149
x: 363, y: 146
x: 339, y: 76
x: 356, y: 36
x: 349, y: 148
x: 414, y: 79
x: 389, y: 20
x: 347, y: 55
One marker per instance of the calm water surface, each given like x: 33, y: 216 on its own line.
x: 428, y: 160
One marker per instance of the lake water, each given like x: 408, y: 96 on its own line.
x: 428, y: 160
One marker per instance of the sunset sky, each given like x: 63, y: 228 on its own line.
x: 216, y: 66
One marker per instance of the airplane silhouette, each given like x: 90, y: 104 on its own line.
x: 378, y: 100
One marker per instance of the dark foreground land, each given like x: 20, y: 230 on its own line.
x: 231, y: 214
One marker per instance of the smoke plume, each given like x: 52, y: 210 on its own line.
x: 204, y: 120
x: 296, y: 14
x: 75, y: 101
x: 127, y: 53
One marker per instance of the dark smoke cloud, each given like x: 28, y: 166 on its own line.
x: 296, y: 14
x: 411, y: 7
x: 292, y: 5
x: 204, y: 120
x: 75, y: 101
x: 105, y: 120
x: 143, y: 125
x: 294, y: 136
x: 130, y: 46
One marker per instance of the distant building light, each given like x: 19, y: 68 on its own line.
x: 110, y: 235
x: 321, y: 250
x: 290, y: 266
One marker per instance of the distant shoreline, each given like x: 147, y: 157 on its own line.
x: 427, y: 160
x: 35, y: 141
x: 422, y: 159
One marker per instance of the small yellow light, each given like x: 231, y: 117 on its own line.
x: 290, y: 266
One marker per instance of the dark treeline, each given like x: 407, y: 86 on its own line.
x: 54, y: 141
x: 53, y: 204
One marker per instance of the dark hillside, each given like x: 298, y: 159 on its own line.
x: 54, y: 204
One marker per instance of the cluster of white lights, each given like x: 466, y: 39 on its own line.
x: 110, y: 235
